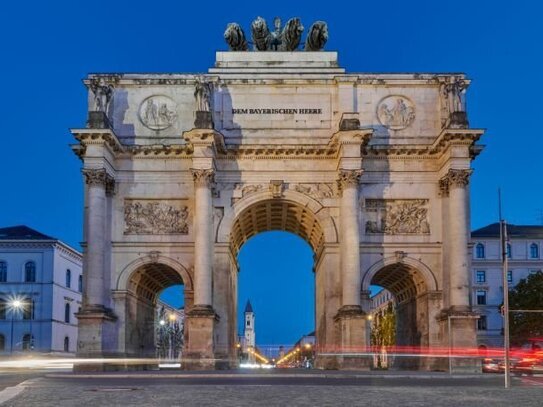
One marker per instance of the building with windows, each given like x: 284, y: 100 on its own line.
x: 40, y: 291
x: 524, y: 255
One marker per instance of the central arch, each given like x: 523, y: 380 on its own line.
x: 307, y: 218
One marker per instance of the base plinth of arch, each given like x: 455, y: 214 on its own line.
x: 459, y: 327
x: 354, y: 331
x: 199, y: 350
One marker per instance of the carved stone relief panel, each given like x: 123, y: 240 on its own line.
x: 316, y: 191
x: 397, y: 216
x: 158, y: 112
x: 396, y: 112
x: 155, y: 217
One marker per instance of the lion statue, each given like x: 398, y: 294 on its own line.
x: 291, y: 35
x: 260, y: 34
x: 235, y: 37
x: 316, y: 37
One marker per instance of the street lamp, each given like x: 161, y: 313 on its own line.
x: 14, y: 305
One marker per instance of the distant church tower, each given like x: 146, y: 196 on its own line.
x: 249, y: 330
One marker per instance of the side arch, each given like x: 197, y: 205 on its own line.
x: 425, y: 271
x: 153, y: 259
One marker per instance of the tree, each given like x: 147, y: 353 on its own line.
x: 526, y: 295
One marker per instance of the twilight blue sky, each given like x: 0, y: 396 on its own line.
x: 47, y: 47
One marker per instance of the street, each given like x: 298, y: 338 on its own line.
x: 296, y: 388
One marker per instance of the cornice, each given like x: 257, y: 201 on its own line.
x: 280, y: 152
x: 447, y: 138
x: 87, y: 137
x: 158, y: 151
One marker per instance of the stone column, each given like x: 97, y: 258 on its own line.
x: 350, y: 317
x: 203, y: 236
x: 350, y: 240
x: 458, y: 239
x: 97, y: 182
x: 95, y: 320
x: 201, y: 317
x: 458, y: 321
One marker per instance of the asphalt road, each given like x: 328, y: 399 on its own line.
x: 271, y: 389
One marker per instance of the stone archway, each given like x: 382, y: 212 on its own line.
x: 135, y: 297
x: 305, y: 217
x: 417, y: 303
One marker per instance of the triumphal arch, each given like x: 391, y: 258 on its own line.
x: 372, y: 170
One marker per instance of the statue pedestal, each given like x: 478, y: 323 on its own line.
x: 199, y: 351
x: 204, y: 120
x: 459, y: 120
x: 98, y: 120
x: 353, y: 338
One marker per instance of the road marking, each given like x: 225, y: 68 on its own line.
x: 532, y: 381
x: 9, y: 392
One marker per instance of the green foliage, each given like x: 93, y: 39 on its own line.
x: 527, y: 295
x: 383, y: 328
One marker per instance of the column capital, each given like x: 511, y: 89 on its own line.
x: 455, y: 178
x: 444, y: 186
x: 348, y: 178
x: 203, y: 177
x: 99, y: 177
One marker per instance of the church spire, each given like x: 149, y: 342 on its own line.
x: 248, y: 307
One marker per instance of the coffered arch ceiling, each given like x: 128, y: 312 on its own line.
x: 150, y: 279
x: 402, y: 280
x: 277, y: 214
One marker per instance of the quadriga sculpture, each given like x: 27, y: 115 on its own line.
x: 260, y: 34
x: 291, y: 35
x: 235, y: 37
x: 316, y: 37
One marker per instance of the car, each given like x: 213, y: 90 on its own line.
x: 492, y: 365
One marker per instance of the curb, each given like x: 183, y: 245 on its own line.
x: 261, y: 376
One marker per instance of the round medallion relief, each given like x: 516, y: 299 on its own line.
x: 158, y: 112
x: 396, y: 112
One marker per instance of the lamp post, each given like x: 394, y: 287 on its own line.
x: 15, y: 305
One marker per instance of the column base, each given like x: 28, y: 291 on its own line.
x: 458, y: 325
x: 96, y: 337
x: 353, y: 339
x: 199, y: 352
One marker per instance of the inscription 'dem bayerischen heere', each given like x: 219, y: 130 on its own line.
x: 277, y: 111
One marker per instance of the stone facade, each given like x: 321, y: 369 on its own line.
x: 370, y: 169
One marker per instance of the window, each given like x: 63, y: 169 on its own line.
x: 534, y: 251
x: 248, y: 323
x: 480, y: 276
x: 481, y: 323
x: 2, y: 343
x: 68, y: 278
x: 508, y: 251
x: 67, y: 313
x: 481, y: 297
x: 3, y: 271
x: 28, y: 342
x: 28, y: 308
x: 509, y: 276
x: 480, y: 251
x: 80, y: 284
x: 66, y: 344
x: 30, y: 272
x: 3, y: 307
